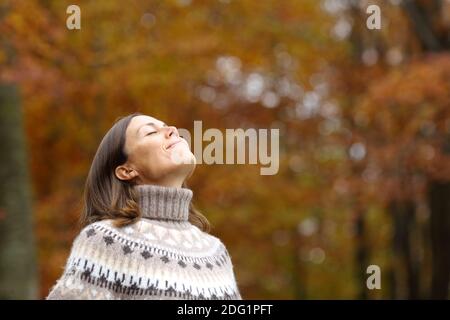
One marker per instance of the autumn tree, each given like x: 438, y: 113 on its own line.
x: 18, y: 273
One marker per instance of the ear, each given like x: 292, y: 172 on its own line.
x: 124, y: 173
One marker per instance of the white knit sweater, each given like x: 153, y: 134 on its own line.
x: 162, y: 256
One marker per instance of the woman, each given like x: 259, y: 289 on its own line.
x: 142, y: 239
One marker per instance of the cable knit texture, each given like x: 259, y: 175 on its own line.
x: 162, y: 256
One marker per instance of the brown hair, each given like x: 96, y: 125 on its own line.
x: 106, y: 196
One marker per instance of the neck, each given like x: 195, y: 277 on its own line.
x: 163, y: 202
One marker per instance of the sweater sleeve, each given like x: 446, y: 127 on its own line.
x: 74, y: 283
x: 236, y: 284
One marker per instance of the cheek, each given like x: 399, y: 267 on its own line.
x: 148, y: 151
x: 149, y: 157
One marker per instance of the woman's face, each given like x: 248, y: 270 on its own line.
x: 156, y: 154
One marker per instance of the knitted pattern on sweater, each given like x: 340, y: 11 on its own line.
x: 162, y: 256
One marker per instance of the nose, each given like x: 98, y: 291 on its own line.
x: 172, y: 130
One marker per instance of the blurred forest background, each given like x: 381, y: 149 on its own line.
x: 364, y: 119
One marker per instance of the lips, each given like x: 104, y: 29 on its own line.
x: 171, y: 145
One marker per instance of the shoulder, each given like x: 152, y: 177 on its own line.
x: 169, y: 234
x: 206, y: 235
x: 96, y: 235
x: 208, y: 238
x: 100, y: 247
x: 90, y: 231
x: 222, y: 247
x: 215, y: 240
x: 87, y: 237
x: 104, y: 237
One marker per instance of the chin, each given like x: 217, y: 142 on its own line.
x: 193, y: 159
x: 182, y: 156
x: 184, y: 170
x: 191, y: 169
x: 183, y: 160
x: 190, y: 161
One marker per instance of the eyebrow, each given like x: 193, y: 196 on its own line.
x: 149, y: 124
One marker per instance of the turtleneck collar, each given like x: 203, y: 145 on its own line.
x: 166, y: 203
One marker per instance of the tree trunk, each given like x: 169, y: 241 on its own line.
x: 422, y: 24
x: 18, y: 275
x: 438, y: 192
x: 439, y: 202
x: 361, y: 253
x: 299, y: 272
x: 403, y: 213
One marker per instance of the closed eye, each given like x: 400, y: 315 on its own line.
x: 150, y: 133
